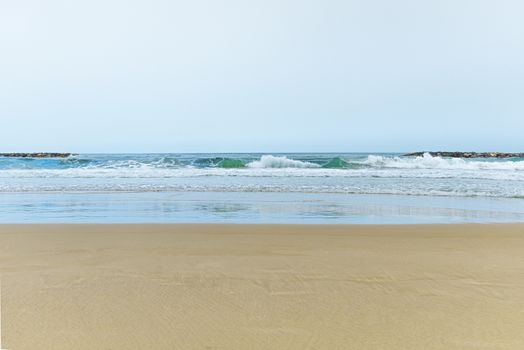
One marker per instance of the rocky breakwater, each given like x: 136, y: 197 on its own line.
x: 36, y: 155
x: 468, y: 154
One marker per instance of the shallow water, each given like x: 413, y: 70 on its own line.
x: 221, y: 207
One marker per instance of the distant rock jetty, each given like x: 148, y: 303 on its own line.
x: 36, y: 155
x: 468, y: 154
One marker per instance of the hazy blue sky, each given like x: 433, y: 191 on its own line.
x: 253, y: 75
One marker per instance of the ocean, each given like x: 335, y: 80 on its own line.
x: 261, y: 188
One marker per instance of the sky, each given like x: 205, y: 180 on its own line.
x: 261, y: 75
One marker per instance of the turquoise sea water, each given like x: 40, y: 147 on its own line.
x: 283, y: 188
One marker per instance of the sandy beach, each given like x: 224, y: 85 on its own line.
x: 262, y: 286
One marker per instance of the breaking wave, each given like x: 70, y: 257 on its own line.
x: 429, y: 162
x: 269, y: 161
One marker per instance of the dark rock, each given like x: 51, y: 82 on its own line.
x: 36, y: 155
x: 468, y: 154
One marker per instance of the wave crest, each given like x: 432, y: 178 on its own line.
x: 427, y: 161
x: 269, y: 161
x: 219, y: 162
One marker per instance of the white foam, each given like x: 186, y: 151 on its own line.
x: 383, y: 171
x: 429, y: 162
x: 269, y: 161
x: 469, y: 190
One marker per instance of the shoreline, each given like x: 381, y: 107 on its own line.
x: 238, y: 286
x: 247, y: 225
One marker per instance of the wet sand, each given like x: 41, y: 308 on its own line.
x: 262, y: 286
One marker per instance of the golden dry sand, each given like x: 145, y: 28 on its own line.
x: 262, y: 287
